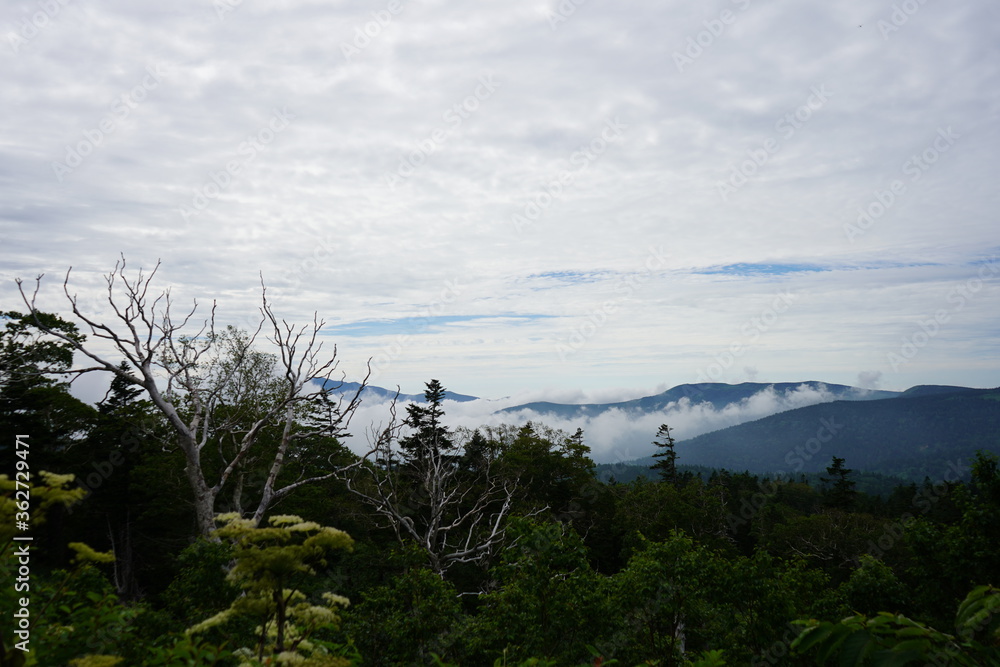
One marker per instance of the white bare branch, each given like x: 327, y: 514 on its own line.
x: 453, y: 517
x: 197, y: 377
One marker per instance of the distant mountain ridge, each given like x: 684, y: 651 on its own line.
x: 915, y: 433
x: 931, y: 390
x: 923, y: 432
x: 383, y: 394
x: 718, y: 394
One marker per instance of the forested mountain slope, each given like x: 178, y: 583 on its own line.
x: 913, y: 436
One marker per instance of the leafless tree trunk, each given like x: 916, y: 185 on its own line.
x: 126, y: 583
x: 452, y: 517
x: 188, y: 377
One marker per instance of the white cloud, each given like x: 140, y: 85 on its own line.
x: 312, y: 211
x: 613, y: 435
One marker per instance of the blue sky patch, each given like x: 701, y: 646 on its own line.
x: 421, y: 324
x: 571, y: 277
x: 747, y: 269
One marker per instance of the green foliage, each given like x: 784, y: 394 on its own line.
x: 874, y: 587
x: 201, y: 588
x: 549, y: 602
x: 955, y: 555
x: 700, y: 572
x: 887, y: 639
x: 71, y: 613
x: 553, y: 469
x: 705, y: 659
x: 96, y: 661
x: 978, y: 616
x: 841, y: 494
x: 271, y: 567
x: 429, y: 437
x: 663, y: 601
x: 185, y: 651
x: 763, y: 595
x: 24, y: 349
x: 31, y: 401
x: 708, y: 659
x: 53, y: 491
x: 664, y: 443
x: 404, y: 621
x: 832, y: 540
x: 656, y: 510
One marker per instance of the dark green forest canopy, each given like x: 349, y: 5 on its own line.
x: 708, y: 567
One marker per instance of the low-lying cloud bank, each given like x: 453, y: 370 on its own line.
x: 615, y: 435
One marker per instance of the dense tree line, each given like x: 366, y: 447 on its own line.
x: 496, y: 545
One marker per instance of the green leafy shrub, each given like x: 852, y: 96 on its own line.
x: 405, y: 620
x: 272, y: 566
x: 891, y: 640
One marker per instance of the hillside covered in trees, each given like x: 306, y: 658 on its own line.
x: 913, y: 436
x: 208, y: 512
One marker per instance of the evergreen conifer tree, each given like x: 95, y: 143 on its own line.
x: 668, y: 465
x: 842, y: 494
x: 429, y: 437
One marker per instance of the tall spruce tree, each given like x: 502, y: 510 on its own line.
x: 429, y: 437
x: 664, y: 442
x: 841, y: 495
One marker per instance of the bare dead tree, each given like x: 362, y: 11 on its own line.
x: 188, y: 376
x: 452, y: 517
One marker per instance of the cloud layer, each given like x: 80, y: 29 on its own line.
x: 561, y: 196
x: 615, y: 435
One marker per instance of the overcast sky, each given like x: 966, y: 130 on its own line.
x: 595, y: 199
